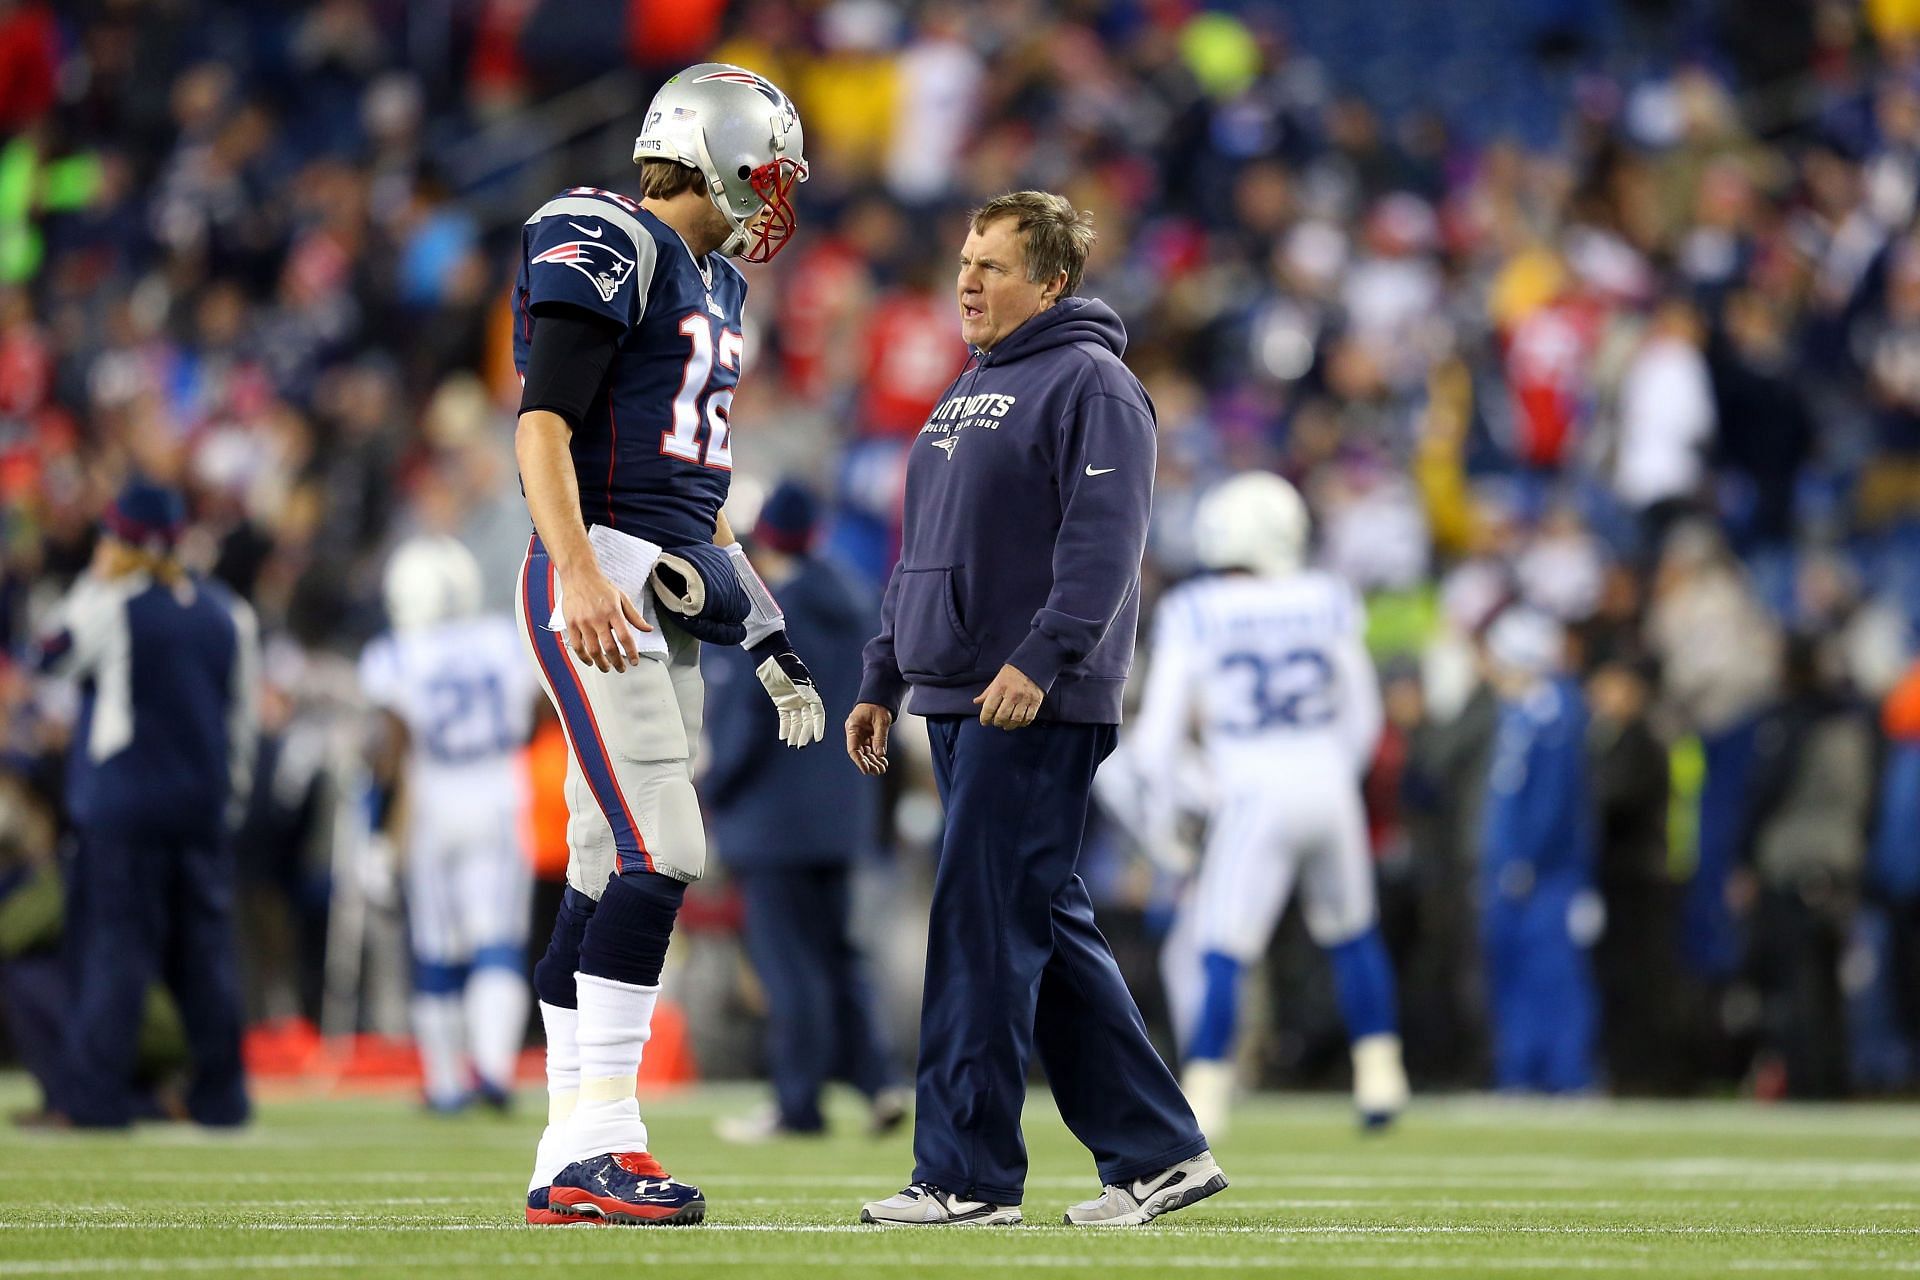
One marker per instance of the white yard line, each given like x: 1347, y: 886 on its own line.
x: 375, y: 1223
x: 894, y: 1262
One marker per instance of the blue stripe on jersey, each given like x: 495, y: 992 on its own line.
x: 654, y: 455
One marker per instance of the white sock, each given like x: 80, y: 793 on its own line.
x: 1379, y: 1078
x: 563, y: 1089
x: 496, y: 1023
x: 615, y: 1020
x: 439, y: 1032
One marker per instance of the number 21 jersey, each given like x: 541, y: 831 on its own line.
x: 465, y: 691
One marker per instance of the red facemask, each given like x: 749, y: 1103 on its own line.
x: 773, y: 182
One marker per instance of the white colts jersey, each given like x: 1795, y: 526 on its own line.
x: 465, y: 690
x: 1273, y: 675
x: 1272, y: 672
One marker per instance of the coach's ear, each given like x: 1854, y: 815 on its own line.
x: 1055, y: 287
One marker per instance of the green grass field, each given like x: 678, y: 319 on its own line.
x: 360, y: 1187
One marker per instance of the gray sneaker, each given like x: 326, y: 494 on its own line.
x: 1144, y: 1199
x: 925, y: 1205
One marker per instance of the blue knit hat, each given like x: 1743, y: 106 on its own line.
x: 146, y: 515
x: 787, y: 519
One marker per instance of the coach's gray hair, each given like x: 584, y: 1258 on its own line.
x: 1057, y: 236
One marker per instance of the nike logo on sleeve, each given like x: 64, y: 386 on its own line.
x: 596, y: 232
x: 1099, y: 471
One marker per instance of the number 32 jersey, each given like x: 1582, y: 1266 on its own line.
x: 1273, y: 671
x: 654, y: 455
x: 465, y: 691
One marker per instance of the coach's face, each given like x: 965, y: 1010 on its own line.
x: 995, y: 295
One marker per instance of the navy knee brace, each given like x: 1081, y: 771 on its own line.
x: 628, y: 935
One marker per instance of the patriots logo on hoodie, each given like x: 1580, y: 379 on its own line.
x: 598, y: 262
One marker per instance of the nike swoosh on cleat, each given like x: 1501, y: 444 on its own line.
x: 596, y: 234
x: 1099, y: 471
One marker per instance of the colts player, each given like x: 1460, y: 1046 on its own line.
x: 1267, y: 656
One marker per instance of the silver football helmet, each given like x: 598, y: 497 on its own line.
x: 431, y: 579
x: 1256, y: 521
x: 744, y: 137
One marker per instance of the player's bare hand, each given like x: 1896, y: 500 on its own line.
x: 867, y: 731
x: 601, y: 621
x: 1011, y: 701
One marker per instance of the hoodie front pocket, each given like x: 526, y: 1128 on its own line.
x: 929, y: 640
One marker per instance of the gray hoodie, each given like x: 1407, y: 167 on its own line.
x: 1028, y: 492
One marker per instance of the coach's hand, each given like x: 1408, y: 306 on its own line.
x: 1011, y: 701
x: 867, y: 737
x: 601, y: 620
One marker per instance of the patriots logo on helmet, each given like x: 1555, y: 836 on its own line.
x: 759, y: 83
x: 598, y: 262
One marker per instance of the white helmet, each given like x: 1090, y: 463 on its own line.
x: 744, y: 136
x: 1255, y: 521
x: 430, y: 579
x: 1526, y: 642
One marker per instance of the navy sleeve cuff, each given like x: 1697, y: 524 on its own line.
x: 883, y: 689
x: 1039, y: 659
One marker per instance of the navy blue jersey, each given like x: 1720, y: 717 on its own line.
x: 654, y: 454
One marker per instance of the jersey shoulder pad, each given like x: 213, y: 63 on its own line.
x: 501, y: 636
x: 1546, y: 705
x: 588, y: 248
x: 1346, y: 606
x: 380, y: 670
x: 1182, y: 607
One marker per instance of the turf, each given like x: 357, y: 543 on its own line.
x: 371, y: 1187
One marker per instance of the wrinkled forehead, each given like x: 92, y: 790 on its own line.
x: 999, y: 239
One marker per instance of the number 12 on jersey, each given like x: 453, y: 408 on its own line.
x: 683, y: 440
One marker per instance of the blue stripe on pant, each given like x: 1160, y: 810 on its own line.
x: 140, y: 906
x: 1015, y: 963
x: 820, y: 1016
x: 570, y: 698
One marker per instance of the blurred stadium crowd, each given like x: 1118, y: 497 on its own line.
x: 1610, y: 307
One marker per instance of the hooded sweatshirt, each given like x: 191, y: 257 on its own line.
x: 1028, y: 492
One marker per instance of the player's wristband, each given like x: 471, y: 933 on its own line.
x: 764, y: 619
x: 768, y: 646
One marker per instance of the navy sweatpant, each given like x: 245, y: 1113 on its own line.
x: 140, y: 907
x: 820, y: 1017
x: 1015, y: 963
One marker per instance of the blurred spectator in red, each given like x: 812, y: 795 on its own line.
x: 1894, y: 874
x: 29, y: 63
x: 913, y: 350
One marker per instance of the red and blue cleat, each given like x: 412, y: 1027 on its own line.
x: 541, y: 1213
x: 629, y: 1189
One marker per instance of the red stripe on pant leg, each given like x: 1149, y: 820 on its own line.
x: 574, y: 738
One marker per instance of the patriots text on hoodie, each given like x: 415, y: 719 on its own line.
x: 1028, y: 492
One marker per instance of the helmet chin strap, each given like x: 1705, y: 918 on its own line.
x: 717, y: 192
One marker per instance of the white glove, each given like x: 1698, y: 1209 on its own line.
x: 803, y: 716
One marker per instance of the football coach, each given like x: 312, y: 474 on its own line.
x: 1009, y: 623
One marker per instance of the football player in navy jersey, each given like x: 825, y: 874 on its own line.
x: 628, y: 341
